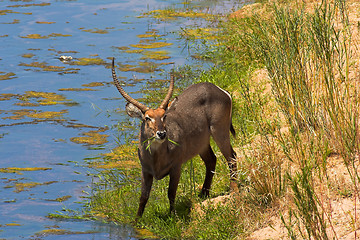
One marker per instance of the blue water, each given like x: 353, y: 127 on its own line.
x: 30, y: 142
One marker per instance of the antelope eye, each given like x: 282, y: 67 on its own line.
x: 163, y: 118
x: 147, y: 119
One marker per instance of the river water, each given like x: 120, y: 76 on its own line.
x: 58, y: 106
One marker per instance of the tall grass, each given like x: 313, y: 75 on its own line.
x: 308, y: 57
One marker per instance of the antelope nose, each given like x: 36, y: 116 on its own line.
x: 161, y: 134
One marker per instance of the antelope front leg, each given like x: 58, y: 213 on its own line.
x: 146, y: 183
x: 173, y: 184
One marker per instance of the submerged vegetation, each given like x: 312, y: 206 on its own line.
x: 93, y: 137
x: 291, y: 69
x: 7, y: 76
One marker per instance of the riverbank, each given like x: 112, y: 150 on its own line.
x: 292, y: 69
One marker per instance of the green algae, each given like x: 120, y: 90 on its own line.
x: 18, y: 170
x: 43, y: 66
x: 60, y: 199
x: 56, y: 231
x: 20, y: 187
x: 201, y: 33
x: 135, y: 51
x: 12, y: 224
x: 27, y: 55
x: 122, y: 48
x: 91, y: 137
x: 93, y: 84
x: 39, y: 36
x: 15, y: 21
x: 6, y: 11
x: 118, y: 164
x: 172, y: 14
x: 96, y: 30
x: 77, y: 89
x: 88, y: 61
x: 21, y: 114
x: 155, y: 55
x: 148, y: 35
x: 151, y: 45
x: 48, y: 114
x: 46, y: 95
x: 18, y: 114
x: 7, y: 76
x: 142, y: 67
x: 27, y: 104
x: 119, y: 157
x: 68, y: 51
x: 35, y: 98
x: 30, y: 5
x: 41, y: 22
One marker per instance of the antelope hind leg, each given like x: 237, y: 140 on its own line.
x: 222, y: 139
x: 209, y: 159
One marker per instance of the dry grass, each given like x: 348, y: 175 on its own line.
x: 333, y: 179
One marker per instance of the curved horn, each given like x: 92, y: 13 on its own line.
x: 165, y: 102
x: 139, y: 105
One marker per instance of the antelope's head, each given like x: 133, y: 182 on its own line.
x: 153, y: 119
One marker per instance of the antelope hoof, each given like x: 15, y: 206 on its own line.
x: 204, y: 193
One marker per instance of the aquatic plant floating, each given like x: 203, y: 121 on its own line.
x: 5, y: 12
x: 7, y: 96
x: 30, y: 5
x: 148, y: 35
x: 172, y: 14
x: 143, y: 67
x: 19, y: 170
x: 27, y: 55
x: 151, y: 45
x: 88, y: 61
x: 7, y: 76
x: 155, y: 55
x: 34, y: 98
x: 45, y: 115
x: 96, y: 30
x: 77, y: 89
x: 20, y: 187
x: 93, y: 84
x: 91, y: 138
x: 201, y: 33
x: 39, y: 36
x: 39, y: 22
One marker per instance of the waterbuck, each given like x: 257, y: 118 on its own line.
x: 174, y: 133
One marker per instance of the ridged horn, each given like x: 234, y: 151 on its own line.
x: 165, y: 102
x: 139, y: 105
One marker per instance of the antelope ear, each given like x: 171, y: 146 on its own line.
x: 133, y: 111
x: 172, y: 104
